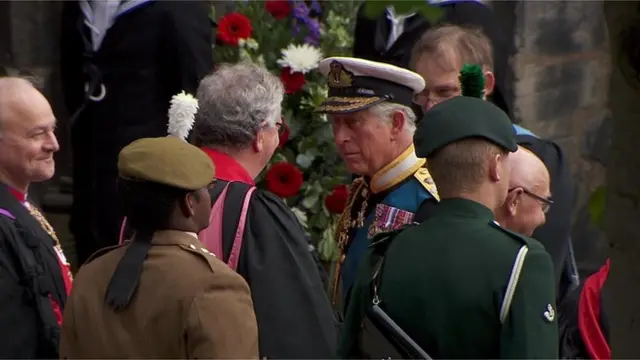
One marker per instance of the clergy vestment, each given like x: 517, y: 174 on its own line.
x: 34, y: 277
x: 295, y: 318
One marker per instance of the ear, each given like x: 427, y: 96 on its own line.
x: 397, y: 122
x: 489, y: 83
x: 513, y: 201
x: 498, y: 169
x: 258, y: 143
x: 186, y: 205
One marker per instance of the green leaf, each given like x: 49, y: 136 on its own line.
x: 374, y: 9
x: 431, y: 12
x: 596, y: 205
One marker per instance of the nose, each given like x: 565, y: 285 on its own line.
x: 429, y: 104
x: 340, y: 135
x: 52, y: 142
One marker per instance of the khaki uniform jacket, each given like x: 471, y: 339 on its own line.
x: 188, y: 304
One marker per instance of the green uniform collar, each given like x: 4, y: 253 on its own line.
x: 464, y: 208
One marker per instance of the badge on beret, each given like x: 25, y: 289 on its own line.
x: 338, y: 76
x: 550, y: 314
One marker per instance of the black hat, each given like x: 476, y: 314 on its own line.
x: 463, y: 117
x: 356, y: 84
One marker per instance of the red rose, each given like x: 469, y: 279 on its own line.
x: 336, y: 201
x: 279, y: 9
x: 233, y: 27
x: 284, y: 179
x: 292, y: 81
x: 284, y: 134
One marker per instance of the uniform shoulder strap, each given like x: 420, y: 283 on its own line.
x: 424, y: 178
x: 516, y: 269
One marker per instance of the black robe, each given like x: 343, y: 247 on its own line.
x: 151, y: 53
x: 371, y: 37
x: 20, y: 319
x: 294, y: 314
x: 555, y: 234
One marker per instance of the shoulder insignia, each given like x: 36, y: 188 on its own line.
x: 201, y: 252
x: 103, y: 251
x: 521, y: 238
x: 549, y: 314
x: 423, y: 176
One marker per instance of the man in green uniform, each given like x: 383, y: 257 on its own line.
x: 459, y: 284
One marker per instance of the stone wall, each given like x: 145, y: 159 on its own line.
x: 562, y: 70
x: 29, y: 37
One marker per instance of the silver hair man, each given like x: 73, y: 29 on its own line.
x: 235, y: 103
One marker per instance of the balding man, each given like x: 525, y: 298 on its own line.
x: 34, y: 275
x: 529, y: 191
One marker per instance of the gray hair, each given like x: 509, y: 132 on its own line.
x: 385, y: 110
x: 234, y: 103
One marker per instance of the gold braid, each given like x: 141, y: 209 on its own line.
x: 342, y: 232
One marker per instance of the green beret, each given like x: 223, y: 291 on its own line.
x: 463, y: 117
x: 166, y: 160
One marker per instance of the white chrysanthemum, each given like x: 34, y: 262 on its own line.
x: 300, y: 58
x: 182, y: 115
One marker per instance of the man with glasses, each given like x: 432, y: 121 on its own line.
x: 528, y: 199
x: 237, y: 125
x: 438, y: 56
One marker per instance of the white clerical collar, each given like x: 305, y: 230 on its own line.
x: 395, y: 172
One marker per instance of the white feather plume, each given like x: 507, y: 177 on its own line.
x: 182, y: 115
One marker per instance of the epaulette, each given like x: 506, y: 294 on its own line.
x: 425, y: 179
x: 103, y: 251
x: 202, y: 252
x: 519, y: 237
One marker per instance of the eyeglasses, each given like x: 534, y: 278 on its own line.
x: 280, y: 126
x: 544, y: 202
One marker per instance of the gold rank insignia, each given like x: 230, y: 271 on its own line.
x: 426, y: 180
x: 338, y: 76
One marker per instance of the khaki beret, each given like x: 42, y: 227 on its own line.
x: 463, y: 117
x: 168, y: 161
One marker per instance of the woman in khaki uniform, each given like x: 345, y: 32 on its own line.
x: 161, y: 295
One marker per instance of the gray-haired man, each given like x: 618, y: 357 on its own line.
x: 237, y: 126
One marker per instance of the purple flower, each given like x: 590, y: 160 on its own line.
x: 315, y: 7
x: 300, y: 10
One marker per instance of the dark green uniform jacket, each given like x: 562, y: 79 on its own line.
x: 446, y: 283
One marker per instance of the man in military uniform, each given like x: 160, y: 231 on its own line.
x: 438, y: 57
x: 369, y: 105
x: 459, y: 284
x: 162, y: 295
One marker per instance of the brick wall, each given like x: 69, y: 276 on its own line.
x: 562, y: 78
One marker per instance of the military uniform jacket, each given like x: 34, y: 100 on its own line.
x: 386, y: 202
x: 463, y: 287
x: 188, y: 305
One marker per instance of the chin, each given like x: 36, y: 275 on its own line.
x: 356, y: 168
x: 43, y: 174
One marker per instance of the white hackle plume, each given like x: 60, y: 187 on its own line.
x: 182, y: 115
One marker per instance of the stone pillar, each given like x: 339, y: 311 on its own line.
x: 562, y: 69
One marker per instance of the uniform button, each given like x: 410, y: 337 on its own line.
x: 205, y: 250
x: 193, y: 247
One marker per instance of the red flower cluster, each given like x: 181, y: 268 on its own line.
x: 292, y: 81
x: 279, y: 9
x: 336, y: 201
x: 233, y: 27
x: 284, y: 179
